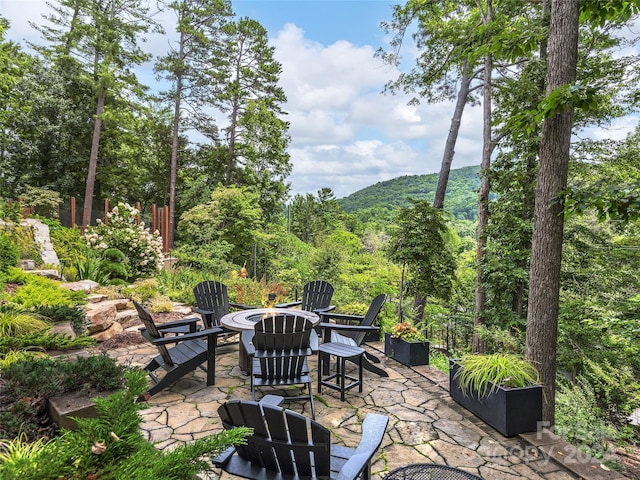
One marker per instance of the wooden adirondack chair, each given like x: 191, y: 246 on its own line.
x: 351, y: 329
x: 189, y: 350
x: 316, y: 297
x: 282, y: 344
x: 288, y: 446
x: 213, y: 303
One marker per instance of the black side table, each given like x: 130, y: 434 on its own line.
x: 342, y: 352
x: 429, y: 471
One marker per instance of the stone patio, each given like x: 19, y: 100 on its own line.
x: 426, y: 425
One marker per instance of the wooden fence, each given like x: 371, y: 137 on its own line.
x: 158, y: 216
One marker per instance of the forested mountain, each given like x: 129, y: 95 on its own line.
x: 384, y: 198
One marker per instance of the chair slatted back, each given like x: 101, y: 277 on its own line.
x: 282, y: 441
x: 212, y: 296
x: 316, y: 294
x: 151, y: 332
x: 369, y: 318
x: 282, y: 343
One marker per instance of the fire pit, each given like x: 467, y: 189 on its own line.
x: 245, y: 320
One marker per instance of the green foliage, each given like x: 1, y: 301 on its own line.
x: 10, y: 210
x: 485, y: 373
x: 70, y: 248
x: 40, y: 291
x: 34, y: 380
x: 439, y: 361
x: 407, y: 331
x: 419, y: 242
x: 44, y: 377
x: 580, y: 421
x: 14, y: 322
x: 22, y: 237
x: 45, y: 341
x: 73, y: 314
x: 124, y: 451
x: 9, y: 254
x: 45, y: 202
x: 114, y: 266
x: 231, y: 218
x: 89, y: 267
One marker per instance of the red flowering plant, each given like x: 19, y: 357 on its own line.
x: 408, y: 332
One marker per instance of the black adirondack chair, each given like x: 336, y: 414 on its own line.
x: 316, y: 297
x: 351, y: 329
x: 288, y: 446
x: 213, y: 303
x: 189, y: 350
x: 282, y: 344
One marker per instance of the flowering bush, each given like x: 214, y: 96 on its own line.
x: 407, y: 331
x: 142, y: 248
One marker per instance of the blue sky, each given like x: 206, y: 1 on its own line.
x: 346, y: 135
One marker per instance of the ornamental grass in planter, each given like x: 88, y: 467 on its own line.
x: 406, y: 344
x: 501, y: 389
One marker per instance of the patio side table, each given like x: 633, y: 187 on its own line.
x: 342, y: 352
x: 429, y: 471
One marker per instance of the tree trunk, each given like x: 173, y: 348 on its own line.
x: 174, y: 149
x: 546, y: 250
x: 93, y: 162
x: 483, y: 194
x: 452, y: 137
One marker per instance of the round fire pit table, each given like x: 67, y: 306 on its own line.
x: 244, y: 321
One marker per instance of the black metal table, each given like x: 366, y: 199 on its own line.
x: 429, y: 471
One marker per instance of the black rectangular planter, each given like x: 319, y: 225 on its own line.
x: 407, y: 353
x: 510, y: 411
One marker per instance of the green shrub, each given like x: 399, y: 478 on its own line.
x: 43, y: 201
x: 36, y: 380
x: 44, y: 341
x: 580, y: 421
x: 40, y: 291
x: 113, y: 264
x: 125, y: 453
x: 10, y: 210
x: 22, y: 236
x: 65, y: 313
x: 69, y: 246
x: 9, y: 254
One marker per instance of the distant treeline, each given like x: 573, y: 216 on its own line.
x: 379, y: 202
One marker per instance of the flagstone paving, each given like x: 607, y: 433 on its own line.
x: 425, y: 424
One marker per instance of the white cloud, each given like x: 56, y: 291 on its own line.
x: 347, y: 135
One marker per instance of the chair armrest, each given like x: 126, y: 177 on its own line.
x: 240, y: 306
x: 223, y: 458
x: 325, y: 316
x: 188, y: 336
x: 201, y: 311
x: 323, y: 310
x: 373, y: 429
x: 348, y: 328
x: 288, y: 305
x: 177, y: 323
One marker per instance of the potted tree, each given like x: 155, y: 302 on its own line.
x: 501, y: 389
x: 406, y: 344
